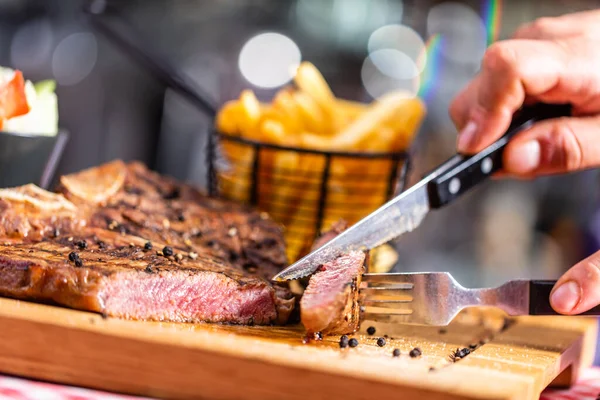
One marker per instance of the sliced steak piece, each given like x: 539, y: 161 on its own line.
x: 224, y: 254
x: 131, y: 282
x: 330, y: 302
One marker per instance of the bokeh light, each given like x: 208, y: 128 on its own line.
x: 32, y: 45
x: 269, y: 60
x: 377, y: 83
x: 346, y: 24
x: 74, y: 58
x: 394, y: 63
x: 403, y: 42
x: 465, y: 37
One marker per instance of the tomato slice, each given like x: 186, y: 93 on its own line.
x: 13, y: 101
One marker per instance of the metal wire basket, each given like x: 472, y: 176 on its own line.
x: 305, y: 190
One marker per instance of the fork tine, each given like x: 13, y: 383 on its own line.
x: 391, y: 287
x: 410, y: 298
x: 380, y: 317
x: 389, y: 304
x: 390, y: 277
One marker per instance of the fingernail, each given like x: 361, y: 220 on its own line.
x: 566, y: 296
x: 524, y: 158
x: 466, y: 137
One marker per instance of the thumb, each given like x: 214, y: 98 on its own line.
x: 578, y: 289
x: 554, y: 146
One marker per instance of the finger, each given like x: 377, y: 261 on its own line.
x: 578, y: 289
x: 499, y: 90
x: 562, y: 27
x: 457, y: 107
x: 515, y: 70
x: 499, y: 175
x: 554, y: 146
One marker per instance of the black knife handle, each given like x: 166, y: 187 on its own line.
x: 460, y: 173
x: 539, y: 299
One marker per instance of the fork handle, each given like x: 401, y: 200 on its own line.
x: 539, y: 299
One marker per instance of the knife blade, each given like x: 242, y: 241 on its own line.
x: 443, y: 185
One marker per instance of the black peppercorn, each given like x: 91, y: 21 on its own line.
x: 396, y: 353
x: 101, y: 244
x: 79, y: 263
x: 82, y: 244
x: 233, y: 256
x: 463, y: 353
x: 416, y: 352
x: 173, y: 194
x: 381, y: 342
x: 343, y: 341
x: 371, y: 330
x: 149, y: 269
x: 353, y: 342
x: 181, y: 218
x: 167, y: 251
x: 73, y: 256
x: 148, y: 246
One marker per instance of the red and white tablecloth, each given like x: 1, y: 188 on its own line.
x: 11, y: 388
x: 587, y: 387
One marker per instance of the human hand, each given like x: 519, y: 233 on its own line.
x: 552, y: 60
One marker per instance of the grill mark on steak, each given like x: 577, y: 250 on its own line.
x: 225, y: 282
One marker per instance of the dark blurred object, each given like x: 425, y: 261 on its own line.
x: 29, y: 158
x: 121, y: 33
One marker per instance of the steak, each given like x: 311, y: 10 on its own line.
x: 146, y: 247
x: 329, y: 304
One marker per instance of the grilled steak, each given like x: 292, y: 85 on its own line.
x: 330, y: 301
x: 146, y: 247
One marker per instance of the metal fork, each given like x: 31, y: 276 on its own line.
x: 435, y: 298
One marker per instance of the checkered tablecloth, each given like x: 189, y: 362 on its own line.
x: 24, y: 389
x: 11, y: 388
x: 587, y: 388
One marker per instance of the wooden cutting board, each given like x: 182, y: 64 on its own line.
x: 516, y: 361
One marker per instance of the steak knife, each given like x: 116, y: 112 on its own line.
x: 442, y: 186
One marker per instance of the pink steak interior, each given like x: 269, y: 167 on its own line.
x: 177, y: 296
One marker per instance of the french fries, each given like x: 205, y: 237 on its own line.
x: 310, y: 116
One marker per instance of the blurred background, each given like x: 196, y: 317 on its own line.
x: 114, y: 109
